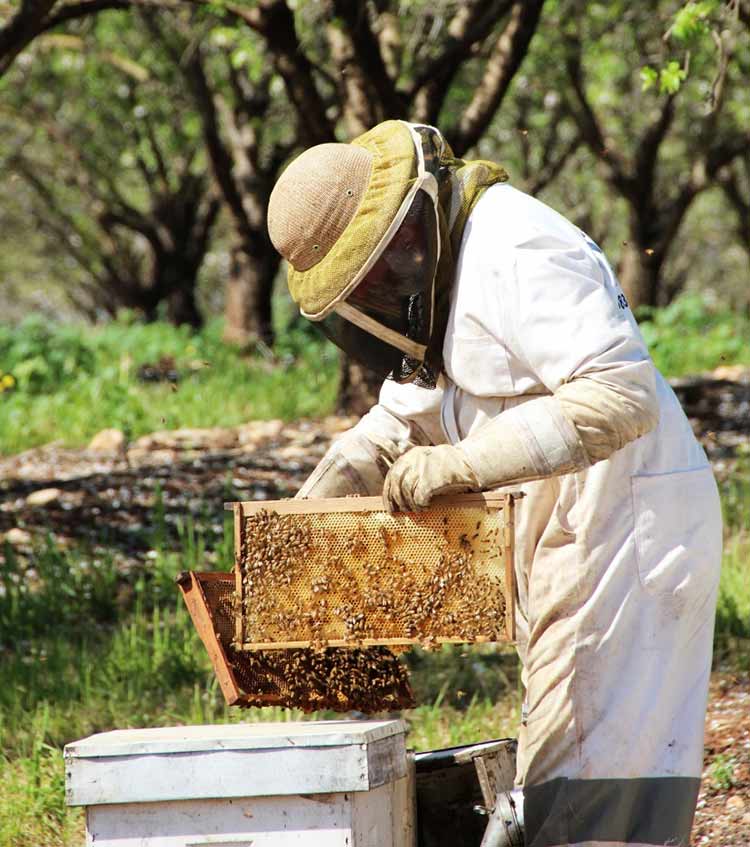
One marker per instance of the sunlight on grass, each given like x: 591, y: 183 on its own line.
x: 66, y: 383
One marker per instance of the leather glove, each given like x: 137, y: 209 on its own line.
x: 352, y: 465
x: 425, y: 472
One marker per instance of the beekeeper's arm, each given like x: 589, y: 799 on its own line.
x: 358, y: 460
x: 565, y: 318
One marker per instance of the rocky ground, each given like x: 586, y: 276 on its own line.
x: 107, y: 495
x: 723, y: 815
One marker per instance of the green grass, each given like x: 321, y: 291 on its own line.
x: 66, y: 383
x: 692, y: 336
x: 732, y: 642
x: 78, y: 659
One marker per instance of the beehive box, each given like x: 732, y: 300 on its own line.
x: 346, y: 572
x: 289, y: 784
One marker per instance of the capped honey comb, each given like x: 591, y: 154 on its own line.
x: 346, y: 573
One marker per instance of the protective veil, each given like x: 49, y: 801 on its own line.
x: 371, y: 243
x: 546, y: 378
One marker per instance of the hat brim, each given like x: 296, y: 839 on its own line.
x: 394, y: 169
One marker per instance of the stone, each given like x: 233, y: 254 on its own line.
x: 255, y: 432
x: 43, y: 497
x: 108, y: 441
x: 17, y: 537
x: 736, y: 803
x: 732, y: 373
x: 213, y: 438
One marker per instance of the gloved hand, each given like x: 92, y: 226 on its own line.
x: 352, y: 465
x: 424, y: 472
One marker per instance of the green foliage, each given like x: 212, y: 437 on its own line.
x: 722, y: 772
x: 456, y: 674
x: 64, y: 590
x: 733, y: 610
x: 691, y: 21
x: 33, y: 810
x: 72, y: 381
x: 691, y: 335
x: 669, y: 77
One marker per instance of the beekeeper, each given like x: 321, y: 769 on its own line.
x: 513, y: 359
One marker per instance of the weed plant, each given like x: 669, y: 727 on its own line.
x: 692, y: 336
x: 66, y: 382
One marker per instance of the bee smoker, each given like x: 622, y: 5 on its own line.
x: 465, y: 796
x: 505, y: 823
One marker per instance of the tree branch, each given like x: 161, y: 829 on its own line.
x: 589, y: 124
x: 21, y: 30
x: 274, y: 20
x: 468, y: 28
x: 35, y: 17
x: 504, y: 61
x: 647, y: 151
x: 369, y: 57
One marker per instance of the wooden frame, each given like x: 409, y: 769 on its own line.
x: 192, y: 593
x: 190, y: 584
x: 504, y: 502
x: 357, y: 504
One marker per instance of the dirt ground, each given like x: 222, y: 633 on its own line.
x: 723, y: 815
x: 74, y: 493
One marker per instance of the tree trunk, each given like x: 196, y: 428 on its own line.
x: 182, y: 308
x: 247, y: 309
x: 640, y: 274
x: 358, y: 390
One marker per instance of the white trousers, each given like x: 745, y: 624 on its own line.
x: 617, y: 583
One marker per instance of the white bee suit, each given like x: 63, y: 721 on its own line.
x: 618, y: 547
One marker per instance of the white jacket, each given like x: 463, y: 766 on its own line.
x: 618, y: 541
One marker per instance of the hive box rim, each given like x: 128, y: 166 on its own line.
x: 97, y: 773
x: 241, y: 736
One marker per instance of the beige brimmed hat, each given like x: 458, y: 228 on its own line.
x: 335, y: 207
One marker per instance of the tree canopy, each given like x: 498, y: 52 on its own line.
x: 141, y: 135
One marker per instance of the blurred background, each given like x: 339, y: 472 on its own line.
x: 153, y: 365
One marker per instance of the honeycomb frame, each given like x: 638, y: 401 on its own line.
x: 474, y: 530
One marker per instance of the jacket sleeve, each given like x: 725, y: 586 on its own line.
x: 566, y: 318
x: 358, y: 460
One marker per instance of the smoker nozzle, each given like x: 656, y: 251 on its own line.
x: 505, y: 824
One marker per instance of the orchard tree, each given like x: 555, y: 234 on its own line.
x: 662, y: 129
x: 113, y: 154
x: 23, y: 21
x: 294, y: 75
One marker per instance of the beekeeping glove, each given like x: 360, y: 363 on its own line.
x: 359, y: 459
x: 353, y: 465
x: 425, y: 472
x: 583, y: 422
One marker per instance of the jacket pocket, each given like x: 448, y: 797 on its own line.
x: 677, y: 523
x: 479, y: 365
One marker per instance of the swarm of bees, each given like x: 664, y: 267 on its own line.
x: 337, y: 678
x: 335, y: 588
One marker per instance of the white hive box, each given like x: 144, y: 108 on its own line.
x: 337, y: 783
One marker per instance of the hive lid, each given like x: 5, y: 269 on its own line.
x: 235, y: 760
x: 242, y: 736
